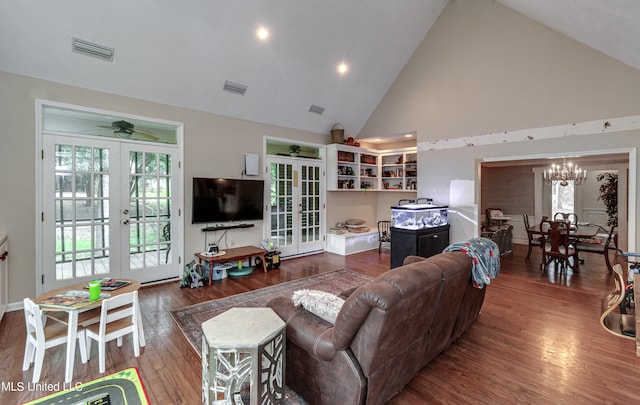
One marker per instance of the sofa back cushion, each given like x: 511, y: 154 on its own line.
x: 457, y: 279
x: 390, y: 317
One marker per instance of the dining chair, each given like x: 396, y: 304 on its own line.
x: 599, y: 242
x: 534, y: 240
x: 384, y: 234
x: 566, y: 216
x: 118, y: 318
x: 556, y: 245
x: 42, y: 335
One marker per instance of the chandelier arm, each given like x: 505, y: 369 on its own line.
x: 564, y: 173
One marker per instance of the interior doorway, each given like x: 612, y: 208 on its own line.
x: 530, y: 188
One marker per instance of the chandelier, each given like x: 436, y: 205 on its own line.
x: 564, y: 173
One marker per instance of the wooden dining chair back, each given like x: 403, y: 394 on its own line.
x: 118, y: 318
x: 604, y: 238
x: 611, y: 318
x: 557, y: 246
x: 384, y: 235
x: 42, y: 336
x: 534, y: 239
x: 602, y: 243
x: 566, y: 216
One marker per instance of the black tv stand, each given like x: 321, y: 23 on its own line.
x: 223, y: 227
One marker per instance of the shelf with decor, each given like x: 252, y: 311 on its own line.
x: 352, y: 168
x: 368, y: 169
x: 392, y: 171
x: 399, y: 170
x: 347, y: 162
x: 411, y: 170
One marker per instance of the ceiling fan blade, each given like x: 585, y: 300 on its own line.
x: 146, y: 134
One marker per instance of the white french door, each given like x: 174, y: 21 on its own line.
x: 108, y: 210
x: 296, y: 205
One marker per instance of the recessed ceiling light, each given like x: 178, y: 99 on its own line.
x: 262, y: 33
x: 343, y: 68
x: 408, y: 135
x: 377, y: 140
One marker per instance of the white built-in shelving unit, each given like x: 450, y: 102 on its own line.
x: 353, y: 168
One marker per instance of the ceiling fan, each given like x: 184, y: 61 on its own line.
x: 125, y: 129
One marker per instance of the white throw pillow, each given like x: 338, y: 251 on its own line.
x: 321, y: 303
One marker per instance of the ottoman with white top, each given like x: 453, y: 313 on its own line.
x: 241, y: 344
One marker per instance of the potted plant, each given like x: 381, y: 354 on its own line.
x: 609, y: 196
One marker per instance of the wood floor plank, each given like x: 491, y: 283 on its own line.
x: 537, y: 340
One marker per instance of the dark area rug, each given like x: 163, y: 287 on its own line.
x: 189, y: 319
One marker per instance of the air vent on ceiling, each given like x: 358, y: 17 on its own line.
x: 235, y: 88
x: 92, y: 49
x: 316, y: 109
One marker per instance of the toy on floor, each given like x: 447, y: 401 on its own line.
x: 193, y: 276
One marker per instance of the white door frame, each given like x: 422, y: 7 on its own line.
x: 633, y: 156
x: 298, y: 247
x: 177, y: 245
x: 323, y: 185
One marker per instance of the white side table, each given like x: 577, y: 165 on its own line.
x: 241, y: 344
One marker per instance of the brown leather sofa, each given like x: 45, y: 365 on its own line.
x: 386, y: 332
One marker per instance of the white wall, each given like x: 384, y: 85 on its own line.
x: 214, y: 147
x: 485, y: 69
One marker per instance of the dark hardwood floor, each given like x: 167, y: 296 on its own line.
x: 537, y: 340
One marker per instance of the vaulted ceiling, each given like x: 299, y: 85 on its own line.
x: 182, y: 53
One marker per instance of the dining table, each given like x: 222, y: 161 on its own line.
x: 577, y: 231
x: 72, y: 314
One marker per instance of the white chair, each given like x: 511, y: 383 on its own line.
x: 119, y: 317
x: 41, y: 336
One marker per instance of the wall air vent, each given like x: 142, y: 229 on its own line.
x: 92, y: 49
x: 316, y: 109
x: 235, y: 88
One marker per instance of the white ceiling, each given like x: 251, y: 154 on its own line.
x: 181, y: 53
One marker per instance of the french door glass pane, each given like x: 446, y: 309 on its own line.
x: 281, y: 194
x: 81, y: 205
x: 310, y: 206
x: 149, y: 209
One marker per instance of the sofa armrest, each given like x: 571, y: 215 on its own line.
x: 304, y: 329
x: 347, y: 293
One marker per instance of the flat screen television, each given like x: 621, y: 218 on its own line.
x: 223, y: 200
